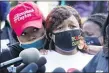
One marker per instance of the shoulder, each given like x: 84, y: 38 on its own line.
x: 91, y: 66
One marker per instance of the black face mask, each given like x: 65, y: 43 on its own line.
x: 92, y: 41
x: 67, y: 40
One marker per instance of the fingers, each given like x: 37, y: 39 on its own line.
x: 44, y: 51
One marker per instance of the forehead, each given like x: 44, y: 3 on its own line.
x: 71, y: 20
x: 90, y: 25
x: 29, y: 29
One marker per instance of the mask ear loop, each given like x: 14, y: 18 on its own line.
x: 82, y: 33
x: 45, y: 41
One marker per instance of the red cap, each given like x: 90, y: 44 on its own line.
x: 25, y: 14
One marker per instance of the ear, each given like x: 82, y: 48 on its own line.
x: 101, y: 40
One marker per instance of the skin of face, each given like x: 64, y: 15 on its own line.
x: 30, y: 34
x: 93, y: 30
x: 68, y: 24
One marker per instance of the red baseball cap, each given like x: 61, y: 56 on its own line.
x: 25, y: 14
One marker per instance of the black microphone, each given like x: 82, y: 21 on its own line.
x: 73, y: 70
x: 31, y: 68
x: 58, y: 70
x: 26, y: 56
x: 40, y: 63
x: 41, y: 69
x: 20, y: 67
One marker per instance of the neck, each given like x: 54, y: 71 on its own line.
x: 72, y: 52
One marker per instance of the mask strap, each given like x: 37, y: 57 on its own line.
x: 45, y: 41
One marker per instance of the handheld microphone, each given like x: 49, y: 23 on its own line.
x: 59, y: 70
x: 41, y: 69
x: 40, y: 63
x: 73, y: 70
x: 26, y: 56
x: 20, y: 67
x: 31, y: 68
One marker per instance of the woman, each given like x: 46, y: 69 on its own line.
x: 63, y: 26
x: 92, y: 29
x: 100, y: 61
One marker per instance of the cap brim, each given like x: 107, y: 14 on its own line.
x: 35, y: 23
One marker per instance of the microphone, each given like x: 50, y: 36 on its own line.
x: 26, y: 56
x: 73, y: 70
x: 32, y: 67
x: 20, y: 67
x: 40, y: 63
x: 42, y: 69
x: 59, y: 70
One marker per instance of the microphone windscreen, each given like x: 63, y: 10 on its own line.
x: 41, y: 69
x: 59, y: 70
x: 32, y: 67
x: 42, y: 61
x: 29, y: 55
x: 73, y: 70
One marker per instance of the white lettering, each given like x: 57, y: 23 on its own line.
x: 23, y: 15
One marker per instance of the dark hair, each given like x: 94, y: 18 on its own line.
x: 106, y: 32
x: 98, y: 18
x: 56, y: 17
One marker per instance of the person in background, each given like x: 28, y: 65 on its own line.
x: 92, y: 29
x: 87, y: 8
x: 100, y: 61
x: 6, y: 37
x: 63, y: 27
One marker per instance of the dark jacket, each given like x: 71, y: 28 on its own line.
x: 98, y: 64
x: 13, y: 48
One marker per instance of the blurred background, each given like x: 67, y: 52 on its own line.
x: 85, y: 8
